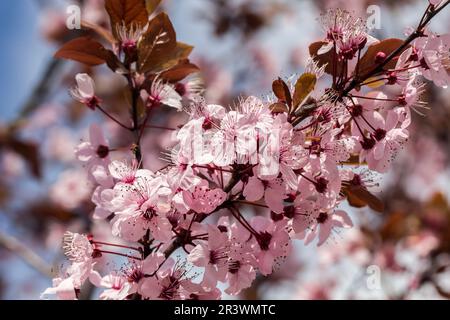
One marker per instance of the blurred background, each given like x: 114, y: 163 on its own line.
x: 241, y: 46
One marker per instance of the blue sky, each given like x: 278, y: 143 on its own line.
x: 24, y: 54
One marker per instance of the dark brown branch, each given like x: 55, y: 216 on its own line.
x: 380, y: 67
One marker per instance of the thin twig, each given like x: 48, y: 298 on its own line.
x: 29, y: 256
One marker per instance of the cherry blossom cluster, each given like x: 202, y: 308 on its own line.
x: 243, y: 182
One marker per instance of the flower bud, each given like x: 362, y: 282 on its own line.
x: 380, y: 57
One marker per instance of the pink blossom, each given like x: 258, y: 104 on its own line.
x: 124, y: 172
x: 153, y: 262
x: 387, y: 140
x: 195, y: 291
x: 60, y: 144
x: 211, y: 113
x: 84, y: 92
x: 204, y: 200
x: 434, y: 56
x: 273, y: 192
x: 241, y: 261
x: 273, y: 242
x: 94, y: 151
x: 77, y: 248
x: 11, y: 164
x: 71, y: 189
x: 325, y: 224
x: 212, y: 256
x: 191, y: 89
x: 102, y: 198
x: 181, y: 175
x: 62, y: 288
x: 225, y: 139
x: 168, y: 285
x: 348, y: 32
x: 324, y: 186
x: 161, y: 93
x: 117, y: 287
x: 435, y: 2
x: 142, y: 206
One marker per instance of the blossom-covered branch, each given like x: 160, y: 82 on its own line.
x: 291, y: 156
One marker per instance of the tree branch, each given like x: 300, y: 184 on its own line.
x: 32, y: 259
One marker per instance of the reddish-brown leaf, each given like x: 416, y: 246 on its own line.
x: 29, y: 152
x: 112, y: 61
x: 171, y: 59
x: 126, y: 12
x: 359, y: 196
x: 278, y: 107
x: 180, y: 71
x: 387, y: 46
x: 102, y: 32
x: 303, y: 88
x: 152, y: 5
x: 281, y: 91
x: 328, y: 58
x: 84, y: 50
x: 157, y: 43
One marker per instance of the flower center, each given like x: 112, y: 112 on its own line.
x: 264, y: 239
x: 215, y: 256
x: 368, y: 143
x: 323, y: 216
x: 117, y: 284
x: 356, y: 110
x: 180, y: 88
x: 402, y: 100
x: 102, y: 151
x: 207, y: 124
x: 234, y: 266
x: 380, y: 134
x: 149, y: 214
x: 92, y: 103
x: 135, y: 276
x: 423, y: 64
x: 289, y: 212
x: 392, y: 77
x: 321, y: 185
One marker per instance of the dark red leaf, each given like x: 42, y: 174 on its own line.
x: 180, y: 71
x: 158, y: 41
x: 172, y: 57
x: 386, y: 46
x: 29, y: 152
x: 84, y: 50
x: 152, y: 5
x: 303, y: 88
x: 278, y: 107
x: 281, y: 91
x: 102, y: 32
x: 328, y: 58
x: 126, y: 12
x: 359, y: 196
